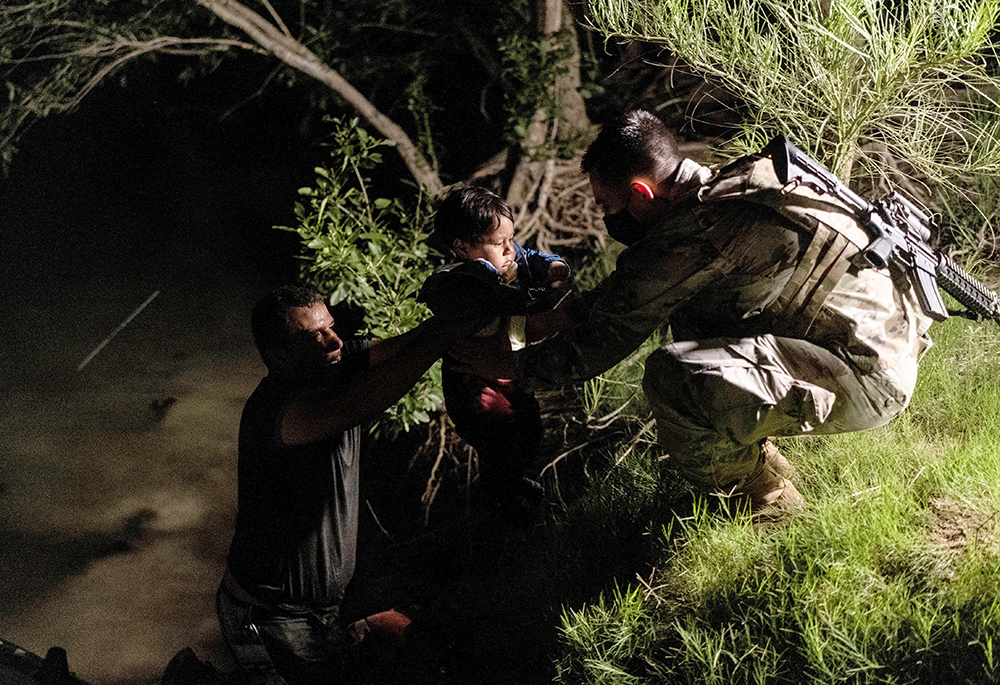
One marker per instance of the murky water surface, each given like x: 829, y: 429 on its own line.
x: 117, y: 480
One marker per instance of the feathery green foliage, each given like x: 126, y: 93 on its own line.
x: 900, y: 89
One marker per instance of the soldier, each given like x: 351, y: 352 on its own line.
x: 774, y: 331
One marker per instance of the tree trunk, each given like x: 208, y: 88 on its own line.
x: 296, y: 55
x: 572, y: 120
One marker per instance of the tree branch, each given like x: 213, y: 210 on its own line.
x: 276, y: 17
x: 296, y: 55
x: 136, y: 48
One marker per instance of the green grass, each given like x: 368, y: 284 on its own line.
x: 892, y: 575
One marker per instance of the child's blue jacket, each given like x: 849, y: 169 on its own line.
x: 474, y: 287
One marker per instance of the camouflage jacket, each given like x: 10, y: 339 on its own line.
x: 725, y: 264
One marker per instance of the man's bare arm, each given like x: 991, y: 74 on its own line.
x: 381, y: 349
x: 315, y: 416
x: 492, y: 357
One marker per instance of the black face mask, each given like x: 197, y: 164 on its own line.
x: 624, y: 227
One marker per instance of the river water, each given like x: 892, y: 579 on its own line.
x: 117, y: 479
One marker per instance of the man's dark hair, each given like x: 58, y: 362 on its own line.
x: 636, y: 143
x: 469, y: 213
x: 269, y: 318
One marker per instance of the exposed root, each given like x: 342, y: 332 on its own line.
x: 561, y: 211
x: 448, y: 455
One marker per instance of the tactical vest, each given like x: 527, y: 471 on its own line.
x: 833, y: 234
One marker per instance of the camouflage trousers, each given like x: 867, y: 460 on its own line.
x: 715, y: 401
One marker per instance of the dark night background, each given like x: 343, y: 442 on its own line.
x: 118, y: 480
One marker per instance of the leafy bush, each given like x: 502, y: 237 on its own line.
x: 370, y: 252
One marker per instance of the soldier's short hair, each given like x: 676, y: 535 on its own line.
x: 636, y: 143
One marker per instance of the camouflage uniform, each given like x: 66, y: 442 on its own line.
x: 774, y: 332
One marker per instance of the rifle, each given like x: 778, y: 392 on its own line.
x: 899, y: 234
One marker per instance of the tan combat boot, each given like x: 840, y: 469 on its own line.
x: 768, y: 492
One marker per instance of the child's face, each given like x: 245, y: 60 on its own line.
x: 496, y: 247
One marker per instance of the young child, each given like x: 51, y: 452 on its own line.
x: 497, y: 417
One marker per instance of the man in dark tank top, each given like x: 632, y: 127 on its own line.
x: 294, y: 544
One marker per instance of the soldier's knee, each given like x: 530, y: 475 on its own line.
x: 663, y: 376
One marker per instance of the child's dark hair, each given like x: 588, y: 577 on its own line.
x: 469, y: 213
